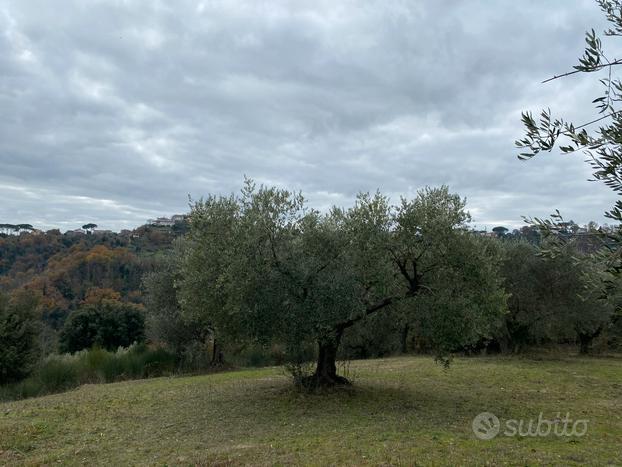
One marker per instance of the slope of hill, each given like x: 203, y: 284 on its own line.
x: 400, y: 411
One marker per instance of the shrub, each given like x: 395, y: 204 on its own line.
x: 109, y: 324
x: 157, y: 362
x: 195, y: 356
x: 62, y: 372
x: 256, y: 356
x: 58, y: 374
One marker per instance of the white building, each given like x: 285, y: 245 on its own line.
x: 167, y: 222
x: 161, y: 222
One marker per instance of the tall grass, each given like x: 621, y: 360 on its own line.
x: 59, y: 373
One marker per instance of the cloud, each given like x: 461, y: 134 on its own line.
x: 115, y: 111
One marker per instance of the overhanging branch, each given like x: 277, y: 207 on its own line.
x: 595, y: 68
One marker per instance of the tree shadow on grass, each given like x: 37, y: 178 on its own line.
x: 363, y: 404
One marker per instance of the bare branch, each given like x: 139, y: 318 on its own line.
x: 598, y: 119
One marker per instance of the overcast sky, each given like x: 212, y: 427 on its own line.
x: 115, y: 111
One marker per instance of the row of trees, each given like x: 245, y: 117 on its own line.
x: 15, y: 228
x: 554, y: 299
x: 263, y: 268
x: 84, y: 291
x: 551, y: 302
x: 102, y: 321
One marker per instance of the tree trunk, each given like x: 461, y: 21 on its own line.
x: 404, y: 338
x: 504, y: 344
x: 586, y: 339
x: 326, y: 371
x: 217, y: 356
x: 585, y: 342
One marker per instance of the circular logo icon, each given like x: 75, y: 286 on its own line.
x: 486, y: 425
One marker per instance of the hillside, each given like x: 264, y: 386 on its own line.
x: 400, y: 411
x: 65, y: 270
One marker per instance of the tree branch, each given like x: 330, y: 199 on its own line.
x: 595, y: 68
x: 598, y: 119
x: 369, y: 311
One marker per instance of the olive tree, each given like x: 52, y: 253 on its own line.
x: 599, y: 139
x: 262, y: 266
x: 551, y: 298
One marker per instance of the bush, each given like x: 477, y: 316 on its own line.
x: 19, y: 336
x: 156, y: 363
x: 58, y: 374
x: 195, y: 356
x: 62, y: 372
x: 109, y: 324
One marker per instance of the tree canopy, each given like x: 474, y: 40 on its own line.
x: 262, y: 265
x: 19, y: 332
x: 109, y: 324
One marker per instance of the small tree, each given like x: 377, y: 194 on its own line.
x: 19, y: 332
x: 263, y: 266
x: 9, y: 228
x: 26, y: 227
x: 500, y: 231
x: 89, y: 227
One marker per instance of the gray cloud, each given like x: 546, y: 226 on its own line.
x: 115, y: 111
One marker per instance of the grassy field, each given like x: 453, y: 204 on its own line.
x: 400, y: 411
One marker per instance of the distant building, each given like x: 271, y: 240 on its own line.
x: 484, y: 233
x: 161, y: 222
x: 179, y: 217
x: 167, y: 222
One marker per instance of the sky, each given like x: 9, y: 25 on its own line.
x: 117, y: 111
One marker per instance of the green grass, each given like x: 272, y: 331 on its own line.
x: 401, y: 411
